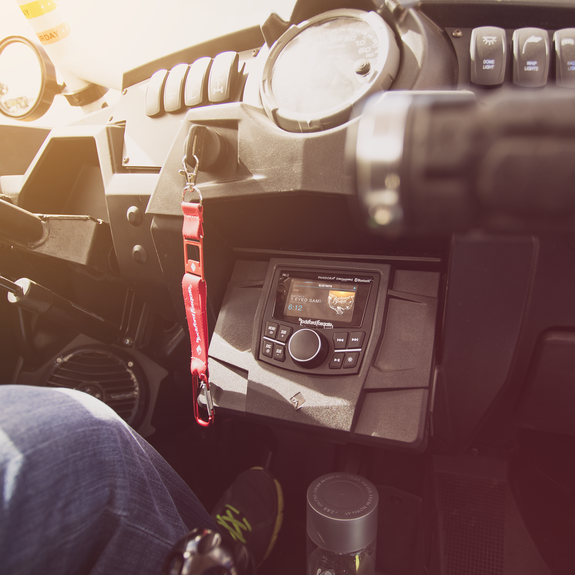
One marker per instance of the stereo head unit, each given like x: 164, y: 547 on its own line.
x: 318, y: 320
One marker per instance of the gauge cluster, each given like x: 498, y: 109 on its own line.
x: 317, y: 70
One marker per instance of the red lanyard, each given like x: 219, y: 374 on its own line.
x: 195, y: 295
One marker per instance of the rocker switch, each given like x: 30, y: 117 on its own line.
x: 223, y: 77
x: 530, y: 57
x: 155, y: 93
x: 174, y: 89
x: 196, y: 89
x: 565, y: 57
x: 488, y: 55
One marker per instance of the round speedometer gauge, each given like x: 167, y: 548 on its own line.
x: 320, y: 68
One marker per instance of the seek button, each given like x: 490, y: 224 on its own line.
x: 356, y: 339
x: 340, y: 340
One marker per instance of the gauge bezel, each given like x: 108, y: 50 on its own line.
x: 48, y: 83
x: 385, y: 72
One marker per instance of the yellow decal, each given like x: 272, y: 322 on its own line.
x: 55, y: 34
x: 38, y: 8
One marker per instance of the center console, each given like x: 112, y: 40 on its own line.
x: 346, y: 346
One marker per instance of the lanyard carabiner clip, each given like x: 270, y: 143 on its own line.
x: 198, y: 390
x: 191, y: 177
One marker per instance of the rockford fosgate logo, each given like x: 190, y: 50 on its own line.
x: 316, y: 323
x: 194, y: 320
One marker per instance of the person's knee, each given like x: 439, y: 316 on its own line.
x: 58, y: 437
x: 31, y: 414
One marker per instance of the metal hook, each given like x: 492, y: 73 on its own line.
x: 197, y: 388
x: 192, y: 188
x: 190, y: 176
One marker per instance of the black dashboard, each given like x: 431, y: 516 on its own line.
x: 400, y: 341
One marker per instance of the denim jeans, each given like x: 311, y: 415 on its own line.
x: 81, y: 492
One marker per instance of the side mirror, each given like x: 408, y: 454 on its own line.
x: 27, y: 79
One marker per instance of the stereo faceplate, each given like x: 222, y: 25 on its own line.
x: 318, y: 321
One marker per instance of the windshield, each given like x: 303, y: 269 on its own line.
x: 114, y: 37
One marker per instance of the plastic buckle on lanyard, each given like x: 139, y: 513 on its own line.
x: 194, y: 257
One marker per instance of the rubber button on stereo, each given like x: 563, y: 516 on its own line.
x: 356, y: 339
x: 351, y: 359
x: 336, y: 361
x: 271, y: 329
x: 279, y: 352
x: 340, y: 340
x: 267, y: 348
x: 283, y: 333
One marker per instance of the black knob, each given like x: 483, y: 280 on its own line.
x: 308, y: 348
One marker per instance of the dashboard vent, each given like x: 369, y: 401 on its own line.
x: 105, y: 374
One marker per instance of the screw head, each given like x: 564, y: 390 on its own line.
x: 134, y: 215
x: 457, y: 33
x: 139, y: 254
x: 125, y: 160
x: 362, y: 67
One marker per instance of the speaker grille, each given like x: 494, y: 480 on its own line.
x: 106, y: 375
x: 473, y: 518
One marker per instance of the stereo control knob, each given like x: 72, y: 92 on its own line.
x: 308, y: 348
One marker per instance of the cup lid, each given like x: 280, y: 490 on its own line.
x: 342, y: 512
